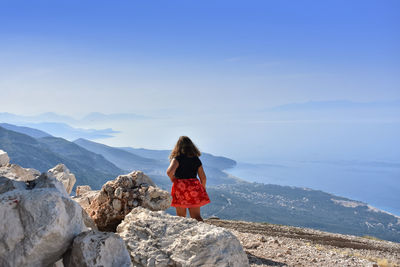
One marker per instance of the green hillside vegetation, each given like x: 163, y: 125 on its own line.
x: 300, y: 207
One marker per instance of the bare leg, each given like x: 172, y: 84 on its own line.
x: 180, y: 211
x: 195, y: 213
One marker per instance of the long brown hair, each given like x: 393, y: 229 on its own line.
x: 184, y: 146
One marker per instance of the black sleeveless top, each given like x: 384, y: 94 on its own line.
x: 188, y: 167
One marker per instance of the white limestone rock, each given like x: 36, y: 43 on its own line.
x: 159, y: 239
x: 155, y: 199
x: 81, y: 189
x: 59, y: 263
x: 10, y: 184
x: 87, y: 220
x: 4, y: 159
x: 139, y: 178
x: 85, y: 198
x: 62, y: 173
x: 16, y: 172
x: 94, y: 248
x: 38, y: 222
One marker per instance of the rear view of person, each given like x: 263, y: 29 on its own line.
x: 187, y: 191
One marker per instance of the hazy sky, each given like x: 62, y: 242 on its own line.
x: 200, y: 62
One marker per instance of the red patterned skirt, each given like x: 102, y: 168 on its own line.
x: 188, y: 193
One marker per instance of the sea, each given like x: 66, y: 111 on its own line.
x: 376, y: 183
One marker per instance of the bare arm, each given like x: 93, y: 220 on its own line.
x: 202, y: 176
x: 171, y: 169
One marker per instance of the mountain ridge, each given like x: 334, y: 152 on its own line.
x: 35, y: 153
x: 232, y: 198
x: 121, y: 158
x: 32, y: 132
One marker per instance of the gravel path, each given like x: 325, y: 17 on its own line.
x: 275, y: 245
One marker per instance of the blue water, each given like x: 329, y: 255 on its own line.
x: 375, y: 183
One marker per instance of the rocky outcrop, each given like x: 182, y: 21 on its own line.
x: 159, y: 239
x: 62, y: 173
x: 153, y: 198
x: 59, y: 263
x: 43, y: 226
x: 87, y: 220
x: 117, y: 198
x: 85, y: 196
x: 15, y: 172
x: 81, y: 189
x: 4, y: 159
x: 94, y: 248
x: 39, y: 221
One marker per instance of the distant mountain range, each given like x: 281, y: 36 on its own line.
x: 232, y: 198
x: 54, y: 117
x: 35, y: 133
x: 93, y: 162
x: 46, y: 152
x: 44, y: 117
x: 59, y: 125
x: 155, y: 162
x: 71, y: 133
x: 338, y: 104
x: 59, y: 130
x: 221, y: 163
x: 121, y: 158
x: 97, y: 117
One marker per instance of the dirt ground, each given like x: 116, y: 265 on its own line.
x: 276, y: 245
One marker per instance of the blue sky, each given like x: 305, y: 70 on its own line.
x: 313, y: 85
x: 206, y: 64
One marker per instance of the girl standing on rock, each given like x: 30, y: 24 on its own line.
x: 187, y: 191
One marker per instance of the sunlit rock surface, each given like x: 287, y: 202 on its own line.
x: 159, y: 239
x: 118, y: 197
x: 39, y: 221
x: 94, y: 248
x: 62, y: 173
